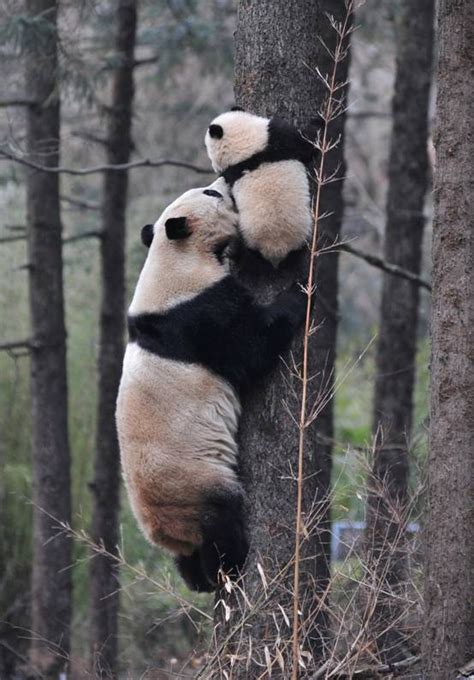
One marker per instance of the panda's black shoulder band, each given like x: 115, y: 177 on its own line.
x: 285, y: 143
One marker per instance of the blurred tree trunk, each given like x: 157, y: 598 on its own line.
x: 51, y: 576
x: 408, y: 177
x: 106, y: 484
x: 276, y: 41
x: 449, y: 586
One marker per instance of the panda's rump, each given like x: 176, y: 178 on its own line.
x: 177, y: 425
x: 274, y: 208
x: 175, y: 526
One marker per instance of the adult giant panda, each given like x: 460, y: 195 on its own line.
x: 197, y: 339
x: 264, y: 163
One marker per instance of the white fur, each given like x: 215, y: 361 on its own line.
x: 177, y: 422
x: 273, y: 203
x: 274, y: 200
x: 244, y: 135
x: 175, y: 271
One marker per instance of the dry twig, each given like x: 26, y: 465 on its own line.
x: 332, y: 108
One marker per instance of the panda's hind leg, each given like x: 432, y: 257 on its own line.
x: 191, y: 569
x: 225, y: 545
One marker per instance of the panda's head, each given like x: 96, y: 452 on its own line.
x: 235, y: 136
x: 198, y: 226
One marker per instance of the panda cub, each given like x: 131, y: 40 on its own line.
x: 263, y: 162
x: 197, y: 339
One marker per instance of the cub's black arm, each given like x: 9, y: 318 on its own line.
x: 283, y: 318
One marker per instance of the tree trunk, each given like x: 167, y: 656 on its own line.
x: 396, y: 351
x: 276, y: 42
x: 106, y: 484
x: 449, y: 618
x: 51, y: 575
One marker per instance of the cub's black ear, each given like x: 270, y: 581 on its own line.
x: 147, y: 235
x: 237, y: 108
x: 177, y: 228
x: 216, y: 131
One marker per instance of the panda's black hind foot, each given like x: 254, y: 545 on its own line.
x: 225, y: 545
x: 191, y: 570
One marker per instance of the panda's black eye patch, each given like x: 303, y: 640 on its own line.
x: 212, y: 192
x: 177, y: 228
x: 216, y: 131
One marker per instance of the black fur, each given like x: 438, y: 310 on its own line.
x: 192, y: 572
x: 177, y: 228
x: 285, y: 143
x: 225, y: 330
x: 225, y: 544
x: 212, y: 192
x: 216, y: 131
x: 147, y: 235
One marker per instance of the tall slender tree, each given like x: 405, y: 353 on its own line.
x: 51, y: 578
x: 106, y: 484
x: 449, y: 586
x: 278, y: 46
x: 408, y: 178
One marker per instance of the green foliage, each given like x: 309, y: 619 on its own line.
x: 23, y: 34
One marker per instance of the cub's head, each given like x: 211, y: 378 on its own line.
x: 235, y: 136
x: 199, y: 225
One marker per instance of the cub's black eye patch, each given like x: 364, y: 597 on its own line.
x: 216, y: 131
x: 212, y: 192
x: 177, y: 228
x: 147, y: 235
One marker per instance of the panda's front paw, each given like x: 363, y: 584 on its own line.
x: 295, y: 301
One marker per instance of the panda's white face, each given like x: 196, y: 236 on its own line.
x: 187, y: 247
x: 199, y: 218
x: 235, y: 136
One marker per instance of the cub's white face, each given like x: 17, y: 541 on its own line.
x: 187, y: 245
x: 235, y: 136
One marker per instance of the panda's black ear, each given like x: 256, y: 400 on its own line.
x: 237, y: 108
x: 147, y: 235
x: 216, y: 131
x: 177, y: 228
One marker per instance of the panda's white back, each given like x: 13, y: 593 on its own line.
x: 274, y: 208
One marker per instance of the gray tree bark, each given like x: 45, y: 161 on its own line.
x: 276, y: 44
x: 106, y: 484
x: 408, y: 177
x: 449, y: 586
x: 51, y: 576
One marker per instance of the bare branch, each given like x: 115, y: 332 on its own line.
x: 373, y: 672
x: 5, y: 103
x: 81, y: 237
x: 388, y: 267
x: 11, y: 239
x: 67, y: 239
x: 83, y: 205
x: 15, y: 227
x: 16, y: 344
x: 145, y: 62
x: 89, y: 137
x: 144, y: 163
x: 368, y: 114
